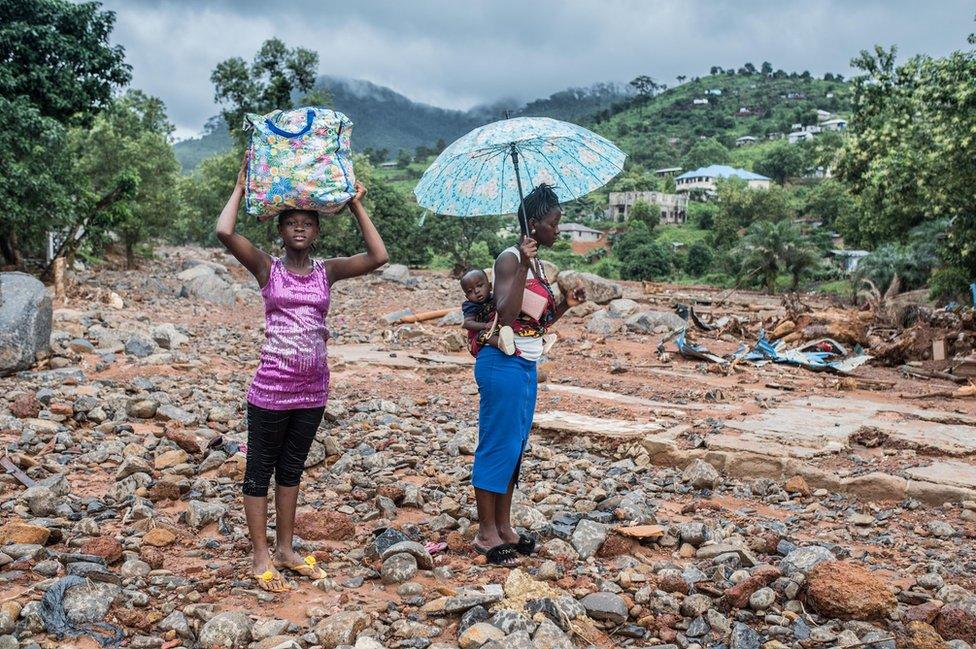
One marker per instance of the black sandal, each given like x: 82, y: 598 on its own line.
x: 501, y: 555
x: 526, y: 544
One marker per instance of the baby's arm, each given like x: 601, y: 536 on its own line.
x: 473, y: 325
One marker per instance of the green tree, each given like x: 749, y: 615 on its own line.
x: 202, y: 197
x: 647, y: 261
x: 828, y: 201
x: 403, y: 159
x: 781, y: 161
x: 266, y: 84
x: 57, y: 58
x: 645, y: 87
x: 706, y: 152
x: 739, y: 206
x: 399, y: 221
x: 699, y: 259
x: 636, y: 235
x: 130, y: 140
x: 57, y: 69
x: 769, y: 248
x: 908, y: 156
x: 458, y: 238
x: 649, y: 215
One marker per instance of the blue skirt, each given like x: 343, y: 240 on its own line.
x: 508, y: 386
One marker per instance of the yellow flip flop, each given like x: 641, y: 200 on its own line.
x: 308, y: 569
x: 267, y: 581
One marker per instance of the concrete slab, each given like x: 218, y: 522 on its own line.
x: 628, y: 400
x: 956, y: 474
x: 403, y: 359
x: 827, y: 423
x: 570, y: 422
x: 763, y: 447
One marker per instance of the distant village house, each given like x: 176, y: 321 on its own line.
x: 745, y: 140
x: 705, y: 178
x: 579, y: 232
x: 674, y: 208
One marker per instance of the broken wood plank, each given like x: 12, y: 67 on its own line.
x: 424, y: 316
x: 15, y: 471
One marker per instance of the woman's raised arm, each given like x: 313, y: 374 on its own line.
x: 255, y: 260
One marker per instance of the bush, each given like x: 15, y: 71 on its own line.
x: 912, y: 266
x: 699, y: 259
x: 608, y: 268
x: 647, y: 261
x: 636, y: 236
x: 702, y: 215
x: 649, y: 215
x: 950, y: 284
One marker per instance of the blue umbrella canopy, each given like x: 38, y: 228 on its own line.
x: 475, y: 175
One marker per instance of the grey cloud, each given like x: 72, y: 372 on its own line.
x: 456, y: 54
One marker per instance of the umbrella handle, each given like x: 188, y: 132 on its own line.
x: 523, y: 221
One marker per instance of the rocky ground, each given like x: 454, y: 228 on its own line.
x: 677, y: 503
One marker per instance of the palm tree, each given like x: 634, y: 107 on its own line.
x: 798, y: 258
x: 771, y: 247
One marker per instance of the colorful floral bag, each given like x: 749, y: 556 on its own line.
x: 299, y: 159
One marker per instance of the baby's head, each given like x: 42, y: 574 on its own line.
x: 476, y: 286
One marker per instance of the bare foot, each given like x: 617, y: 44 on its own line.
x: 265, y: 574
x: 306, y: 566
x: 508, y: 534
x: 485, y: 542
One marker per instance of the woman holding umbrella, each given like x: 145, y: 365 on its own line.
x: 479, y: 174
x: 507, y: 384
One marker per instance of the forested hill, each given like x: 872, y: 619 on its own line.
x: 385, y: 119
x: 656, y: 131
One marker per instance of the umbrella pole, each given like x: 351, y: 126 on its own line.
x: 523, y: 222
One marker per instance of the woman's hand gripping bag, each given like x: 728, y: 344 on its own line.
x: 299, y: 159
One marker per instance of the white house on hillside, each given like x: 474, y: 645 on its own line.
x: 836, y: 124
x: 745, y: 140
x: 579, y: 232
x: 705, y: 178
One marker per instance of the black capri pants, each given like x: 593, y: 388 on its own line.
x: 278, y: 442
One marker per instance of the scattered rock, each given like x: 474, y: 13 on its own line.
x: 25, y: 321
x: 230, y: 630
x: 848, y: 591
x: 701, y: 475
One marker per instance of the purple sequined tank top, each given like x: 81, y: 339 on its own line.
x: 294, y: 369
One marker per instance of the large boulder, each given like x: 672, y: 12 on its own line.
x: 604, y: 323
x: 849, y: 591
x: 599, y: 290
x: 396, y: 273
x: 202, y: 282
x: 647, y: 322
x: 25, y: 321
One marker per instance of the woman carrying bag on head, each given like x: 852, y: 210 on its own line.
x: 287, y: 397
x: 507, y: 384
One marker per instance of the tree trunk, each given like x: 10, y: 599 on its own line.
x: 10, y: 251
x: 130, y: 254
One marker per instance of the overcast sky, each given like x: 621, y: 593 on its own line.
x: 458, y: 53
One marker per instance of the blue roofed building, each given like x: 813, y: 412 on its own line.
x: 704, y: 178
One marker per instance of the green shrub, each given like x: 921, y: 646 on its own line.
x: 950, y: 284
x: 699, y: 259
x: 608, y: 267
x: 913, y: 266
x: 647, y: 261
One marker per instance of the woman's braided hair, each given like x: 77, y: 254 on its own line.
x: 539, y: 202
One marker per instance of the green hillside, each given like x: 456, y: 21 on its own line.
x: 658, y: 131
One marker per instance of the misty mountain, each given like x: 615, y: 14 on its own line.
x: 385, y: 119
